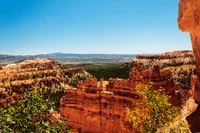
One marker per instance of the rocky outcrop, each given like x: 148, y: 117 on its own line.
x: 189, y: 21
x: 41, y: 74
x: 180, y: 63
x: 92, y: 108
x: 168, y: 55
x: 95, y: 112
x: 176, y: 58
x: 160, y: 78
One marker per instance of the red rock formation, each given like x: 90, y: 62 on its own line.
x: 168, y: 55
x: 140, y: 75
x: 180, y: 63
x: 95, y: 112
x: 189, y: 21
x: 160, y: 78
x: 92, y: 109
x: 32, y: 73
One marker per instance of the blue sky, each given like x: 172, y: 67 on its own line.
x: 90, y: 26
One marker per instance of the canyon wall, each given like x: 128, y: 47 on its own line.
x: 168, y: 55
x: 175, y: 58
x: 189, y: 21
x: 41, y: 74
x: 180, y: 63
x: 92, y: 108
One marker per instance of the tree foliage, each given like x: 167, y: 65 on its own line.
x: 110, y: 70
x: 78, y: 77
x: 152, y: 111
x: 179, y: 127
x: 30, y: 115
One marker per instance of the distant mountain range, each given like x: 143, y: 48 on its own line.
x: 71, y: 58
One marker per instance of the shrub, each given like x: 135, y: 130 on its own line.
x: 29, y: 115
x: 152, y: 111
x: 78, y: 77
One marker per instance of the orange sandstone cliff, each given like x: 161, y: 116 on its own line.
x: 181, y: 64
x: 189, y: 21
x: 94, y: 109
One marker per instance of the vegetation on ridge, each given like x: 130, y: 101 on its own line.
x: 153, y: 111
x: 107, y: 71
x: 30, y: 115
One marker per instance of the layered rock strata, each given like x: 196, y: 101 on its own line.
x: 39, y: 73
x: 180, y: 63
x: 175, y: 58
x: 92, y: 108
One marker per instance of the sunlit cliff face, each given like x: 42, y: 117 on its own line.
x: 189, y: 21
x: 189, y: 16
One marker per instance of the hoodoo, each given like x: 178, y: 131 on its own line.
x: 92, y: 108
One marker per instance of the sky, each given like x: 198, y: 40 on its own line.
x: 90, y: 26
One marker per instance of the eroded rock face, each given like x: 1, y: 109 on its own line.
x: 91, y: 108
x: 175, y: 58
x: 168, y: 55
x: 189, y: 21
x: 95, y: 113
x: 180, y: 63
x: 38, y: 73
x: 189, y: 16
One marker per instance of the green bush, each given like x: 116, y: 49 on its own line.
x: 30, y: 115
x: 152, y: 111
x: 107, y: 71
x: 180, y: 127
x: 78, y: 77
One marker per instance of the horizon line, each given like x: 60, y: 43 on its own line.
x: 145, y: 53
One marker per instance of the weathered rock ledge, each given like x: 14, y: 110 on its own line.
x: 92, y: 108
